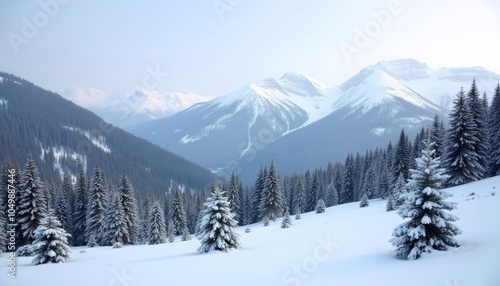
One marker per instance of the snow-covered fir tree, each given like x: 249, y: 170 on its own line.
x: 347, y: 193
x: 129, y: 204
x: 438, y: 135
x: 286, y: 222
x: 217, y: 225
x: 297, y: 213
x: 478, y: 114
x: 157, y: 232
x: 62, y: 209
x: 299, y: 196
x: 235, y: 196
x: 332, y: 195
x: 390, y: 203
x: 259, y: 186
x: 370, y: 184
x: 312, y: 193
x: 494, y: 133
x: 430, y: 225
x: 51, y: 242
x: 178, y: 213
x: 320, y: 206
x: 80, y: 210
x: 401, y: 163
x: 399, y: 189
x: 272, y: 202
x: 186, y: 235
x: 461, y: 159
x: 96, y: 206
x: 32, y: 207
x: 114, y: 226
x: 364, y: 201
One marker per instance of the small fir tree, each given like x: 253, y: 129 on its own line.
x: 286, y: 222
x: 32, y: 206
x: 430, y: 224
x: 390, y: 203
x: 156, y: 233
x: 364, y: 201
x: 217, y: 225
x: 51, y: 242
x: 320, y: 206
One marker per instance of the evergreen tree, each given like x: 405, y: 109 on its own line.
x: 156, y: 229
x: 390, y: 203
x: 260, y: 185
x: 96, y: 206
x: 80, y: 211
x: 115, y: 228
x: 298, y: 198
x: 399, y: 191
x: 347, y: 194
x: 235, y: 196
x: 430, y: 225
x: 51, y: 242
x: 401, y: 164
x: 369, y: 184
x: 494, y: 133
x: 62, y: 210
x: 364, y: 201
x: 332, y: 195
x: 311, y: 195
x: 178, y: 213
x: 185, y: 235
x: 217, y: 225
x: 461, y: 160
x: 297, y: 213
x: 32, y: 207
x: 271, y: 203
x: 478, y: 114
x: 129, y: 205
x: 320, y: 206
x: 438, y: 135
x: 286, y: 222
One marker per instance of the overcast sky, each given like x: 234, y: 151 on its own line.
x: 218, y: 46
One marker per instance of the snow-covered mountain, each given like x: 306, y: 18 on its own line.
x: 228, y: 128
x: 302, y: 123
x: 135, y: 106
x: 439, y: 86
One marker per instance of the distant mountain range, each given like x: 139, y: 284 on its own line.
x: 302, y: 123
x: 135, y: 106
x: 62, y: 136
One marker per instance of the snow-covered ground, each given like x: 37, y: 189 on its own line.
x: 346, y: 245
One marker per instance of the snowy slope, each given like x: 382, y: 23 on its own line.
x: 344, y: 246
x: 135, y: 106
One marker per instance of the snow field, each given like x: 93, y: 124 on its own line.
x: 346, y: 245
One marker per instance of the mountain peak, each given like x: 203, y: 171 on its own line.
x: 405, y: 69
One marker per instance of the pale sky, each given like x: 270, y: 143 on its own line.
x: 217, y: 46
